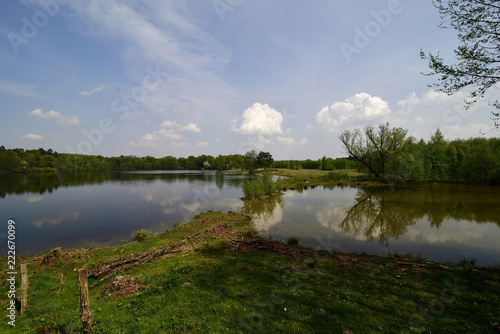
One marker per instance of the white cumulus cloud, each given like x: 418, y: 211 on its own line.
x: 55, y: 116
x: 359, y: 109
x: 191, y: 127
x: 263, y: 123
x: 259, y: 120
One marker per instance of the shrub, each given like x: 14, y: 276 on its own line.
x: 293, y: 241
x: 140, y: 235
x: 337, y: 176
x: 258, y: 186
x: 468, y: 262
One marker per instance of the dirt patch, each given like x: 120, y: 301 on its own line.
x: 124, y: 286
x: 52, y: 256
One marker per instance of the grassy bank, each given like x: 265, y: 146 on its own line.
x: 214, y: 275
x: 299, y: 179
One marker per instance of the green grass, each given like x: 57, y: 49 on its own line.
x: 312, y: 172
x: 211, y: 287
x: 299, y: 179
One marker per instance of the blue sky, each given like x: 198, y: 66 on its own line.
x: 221, y: 76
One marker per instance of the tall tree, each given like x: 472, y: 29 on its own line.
x: 477, y: 23
x: 251, y: 161
x: 264, y: 159
x: 375, y: 147
x: 436, y: 154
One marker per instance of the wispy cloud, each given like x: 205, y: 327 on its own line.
x: 436, y: 109
x: 17, y: 89
x: 163, y: 33
x: 32, y: 136
x: 286, y: 140
x: 56, y: 116
x: 92, y: 91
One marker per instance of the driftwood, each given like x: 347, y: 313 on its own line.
x: 269, y: 245
x: 106, y: 270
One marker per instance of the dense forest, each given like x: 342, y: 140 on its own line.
x: 474, y: 160
x: 392, y: 156
x: 19, y: 160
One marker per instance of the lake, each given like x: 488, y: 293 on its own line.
x: 444, y: 222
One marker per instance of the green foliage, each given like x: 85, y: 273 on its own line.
x: 477, y: 26
x: 264, y: 159
x: 374, y: 147
x: 321, y: 164
x: 250, y: 162
x: 21, y: 161
x: 330, y: 164
x: 141, y: 235
x: 337, y: 176
x: 436, y: 149
x: 473, y: 160
x: 293, y: 241
x: 258, y: 186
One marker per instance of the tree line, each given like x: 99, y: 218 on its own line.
x: 321, y: 164
x: 19, y: 160
x: 388, y: 153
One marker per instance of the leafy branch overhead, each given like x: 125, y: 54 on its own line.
x: 477, y: 23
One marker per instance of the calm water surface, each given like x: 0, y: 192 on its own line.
x: 439, y: 222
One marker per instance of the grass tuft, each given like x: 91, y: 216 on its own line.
x: 141, y: 235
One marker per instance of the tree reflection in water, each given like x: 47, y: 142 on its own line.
x: 376, y: 215
x: 385, y: 212
x: 265, y: 213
